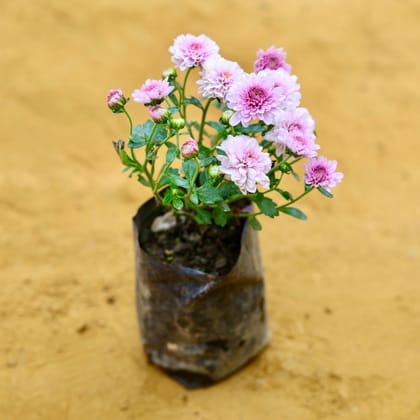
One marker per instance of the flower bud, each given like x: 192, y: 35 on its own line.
x: 169, y: 74
x: 284, y: 167
x: 189, y: 148
x: 116, y: 100
x: 158, y: 113
x: 214, y: 171
x: 177, y: 123
x: 118, y: 146
x: 226, y: 116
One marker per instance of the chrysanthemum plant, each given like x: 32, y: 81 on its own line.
x: 199, y: 168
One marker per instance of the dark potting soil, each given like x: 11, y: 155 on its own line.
x: 208, y: 248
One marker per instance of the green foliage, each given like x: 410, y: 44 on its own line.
x: 193, y: 101
x: 323, y: 191
x: 220, y: 216
x: 285, y: 194
x: 137, y: 138
x: 294, y: 212
x: 190, y: 169
x: 171, y: 153
x: 207, y: 194
x: 161, y: 133
x: 254, y: 223
x: 266, y: 205
x: 203, y: 217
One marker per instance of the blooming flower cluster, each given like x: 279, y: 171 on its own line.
x: 259, y: 136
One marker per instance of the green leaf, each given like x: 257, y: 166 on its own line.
x: 147, y: 128
x: 143, y: 180
x: 204, y: 151
x: 138, y: 130
x: 202, y: 216
x: 208, y: 194
x: 207, y: 161
x: 160, y: 134
x: 173, y: 109
x: 194, y: 197
x: 225, y: 206
x: 295, y: 175
x: 216, y: 125
x: 171, y: 153
x: 168, y: 197
x: 253, y: 128
x: 294, y: 212
x: 265, y: 143
x: 179, y: 182
x: 193, y: 101
x: 172, y: 171
x: 177, y: 203
x: 126, y: 160
x: 285, y: 194
x: 229, y: 189
x: 137, y: 138
x: 174, y: 99
x: 189, y: 167
x: 323, y: 191
x: 136, y: 142
x: 217, y: 104
x: 254, y: 223
x: 165, y: 180
x: 203, y: 177
x: 265, y: 204
x: 152, y: 156
x: 220, y: 216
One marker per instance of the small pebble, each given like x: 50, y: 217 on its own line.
x: 164, y: 222
x: 82, y: 329
x: 220, y: 263
x: 110, y: 300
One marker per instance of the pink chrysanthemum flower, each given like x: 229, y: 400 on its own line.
x: 189, y: 148
x: 320, y: 172
x: 115, y: 100
x: 192, y: 51
x: 114, y: 97
x: 294, y: 128
x: 287, y: 86
x: 254, y: 96
x: 152, y: 92
x: 244, y: 163
x: 272, y: 59
x: 217, y: 77
x: 158, y: 113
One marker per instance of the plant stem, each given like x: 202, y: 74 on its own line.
x: 233, y: 198
x: 184, y: 86
x: 183, y: 109
x: 163, y: 169
x: 254, y: 214
x: 130, y: 121
x: 193, y: 179
x: 297, y: 198
x: 203, y: 120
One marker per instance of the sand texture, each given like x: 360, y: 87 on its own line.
x: 343, y: 288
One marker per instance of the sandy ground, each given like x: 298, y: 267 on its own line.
x: 343, y: 288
